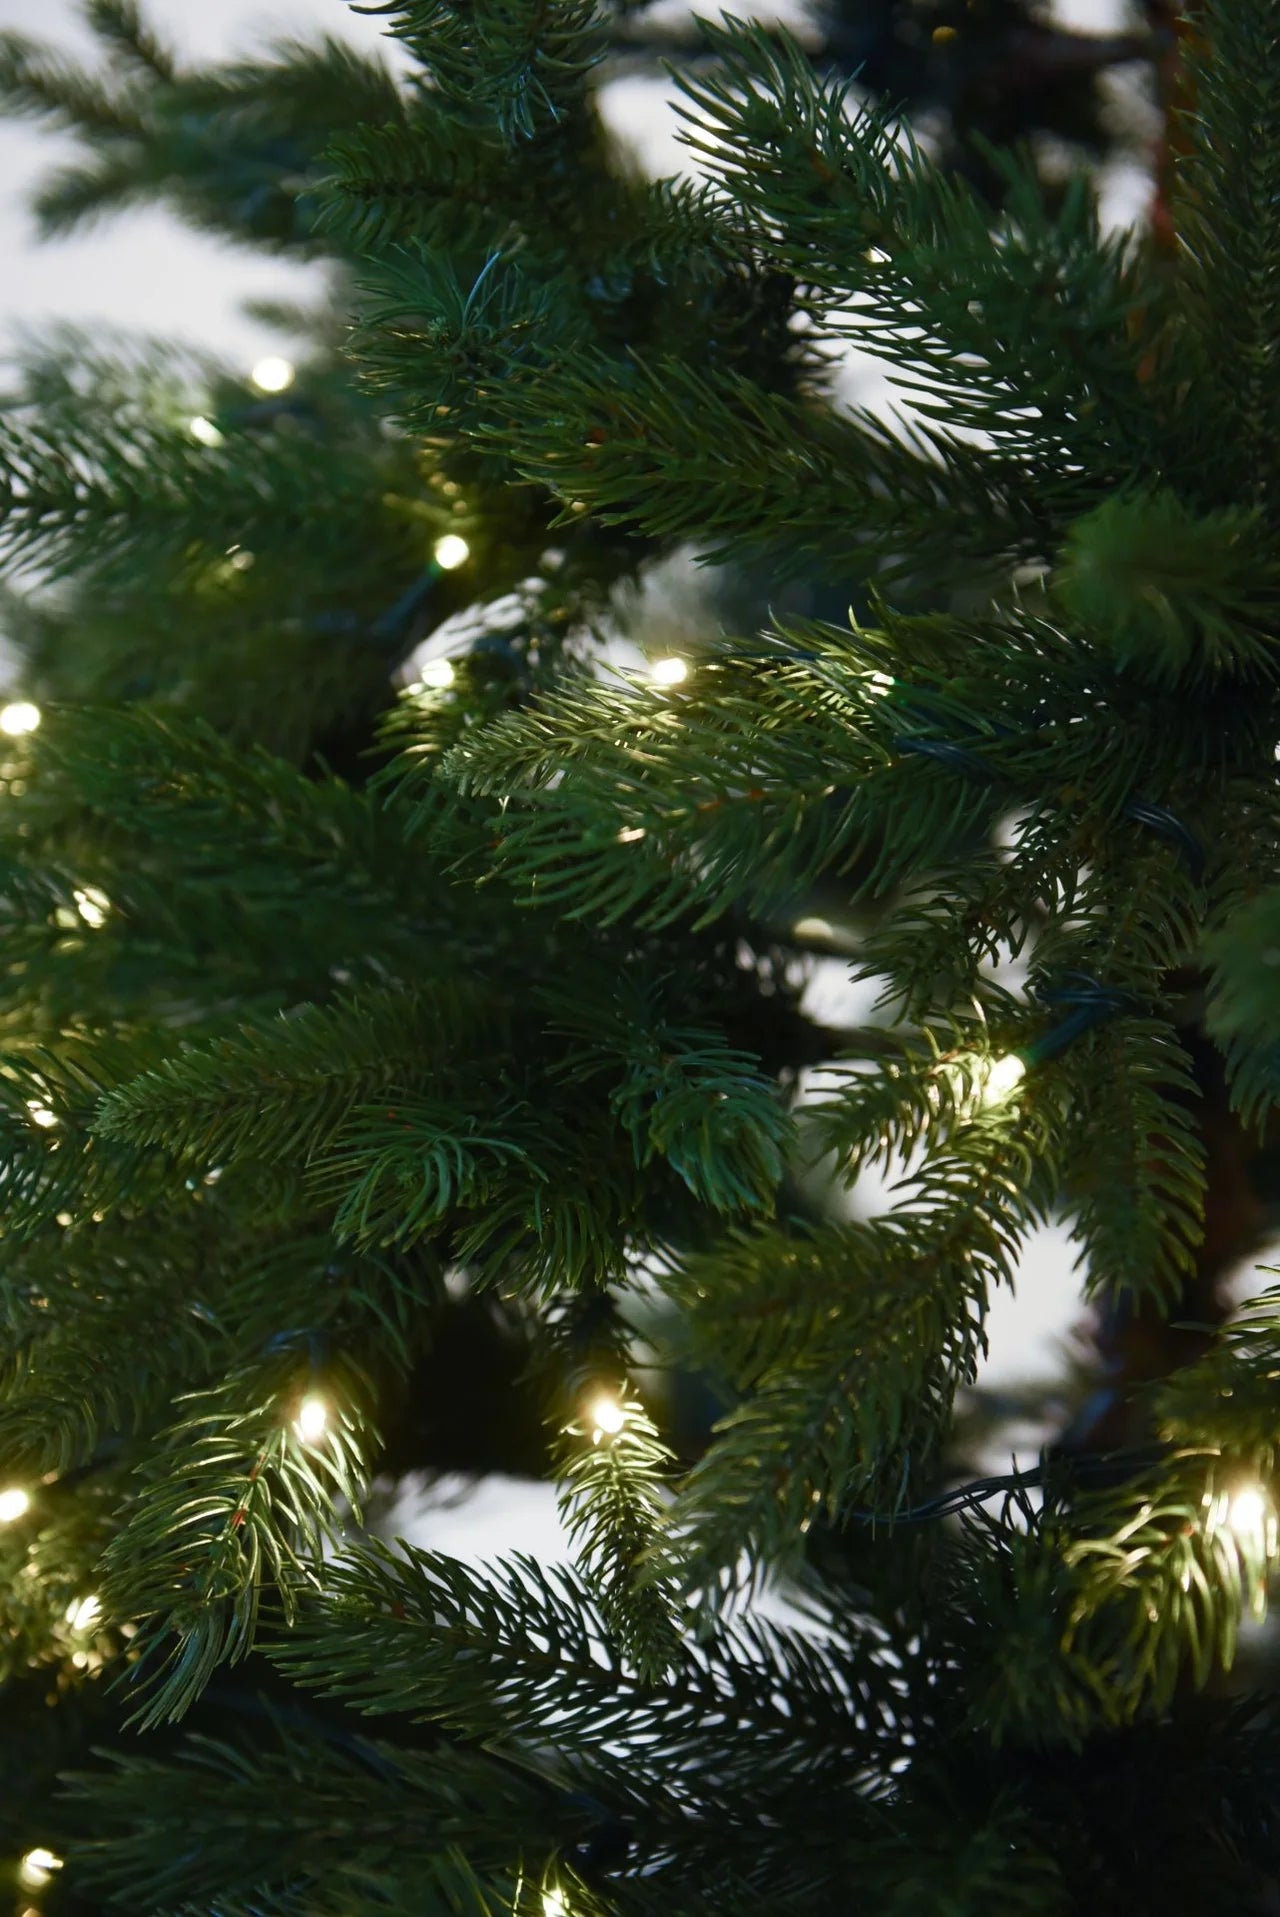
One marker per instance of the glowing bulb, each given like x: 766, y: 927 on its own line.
x: 609, y: 1417
x: 880, y: 682
x: 92, y: 905
x: 38, y: 1866
x: 312, y: 1419
x: 22, y: 716
x: 1247, y: 1513
x: 438, y: 673
x: 553, y: 1904
x: 1000, y: 1080
x: 669, y: 672
x: 272, y: 374
x: 204, y: 430
x: 40, y: 1114
x: 82, y: 1612
x: 14, y: 1503
x: 451, y: 552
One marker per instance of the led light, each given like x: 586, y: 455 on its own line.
x: 92, y: 905
x: 14, y: 1503
x: 40, y: 1114
x: 1247, y: 1514
x: 22, y: 716
x: 608, y: 1416
x: 313, y: 1418
x: 1000, y: 1080
x: 272, y: 374
x: 553, y: 1904
x: 451, y: 552
x: 38, y: 1866
x: 82, y: 1612
x: 438, y: 673
x: 669, y: 672
x: 204, y: 430
x: 880, y: 682
x: 631, y: 834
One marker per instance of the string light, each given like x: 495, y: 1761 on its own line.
x: 880, y: 682
x: 82, y: 1612
x: 1000, y: 1079
x: 437, y: 673
x: 312, y: 1420
x: 41, y: 1114
x: 669, y: 672
x: 19, y: 717
x: 1248, y: 1514
x: 92, y: 905
x: 14, y: 1504
x: 553, y: 1903
x: 979, y: 1082
x: 38, y: 1866
x: 272, y: 374
x: 204, y: 430
x: 451, y: 551
x: 608, y: 1417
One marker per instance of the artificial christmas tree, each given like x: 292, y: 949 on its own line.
x: 324, y: 1005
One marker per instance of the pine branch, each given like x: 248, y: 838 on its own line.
x: 611, y: 1465
x: 1224, y: 213
x: 120, y: 24
x: 515, y: 64
x: 282, y: 1093
x: 237, y: 1501
x: 309, y: 1809
x: 853, y: 1392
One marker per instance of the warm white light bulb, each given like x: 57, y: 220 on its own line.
x: 204, y: 430
x: 553, y: 1904
x: 38, y: 1866
x: 41, y: 1114
x: 451, y: 551
x: 272, y: 374
x: 1247, y: 1513
x: 811, y: 929
x: 608, y: 1417
x: 669, y: 672
x: 438, y: 673
x: 1000, y: 1080
x: 19, y: 717
x: 82, y: 1612
x: 14, y: 1504
x: 92, y: 905
x: 313, y: 1419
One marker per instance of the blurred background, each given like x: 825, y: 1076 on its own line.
x: 148, y: 272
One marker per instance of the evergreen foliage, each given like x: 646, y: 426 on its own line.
x: 328, y: 996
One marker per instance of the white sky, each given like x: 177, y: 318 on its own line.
x: 149, y: 272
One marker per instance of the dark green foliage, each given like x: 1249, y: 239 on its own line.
x: 337, y: 1009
